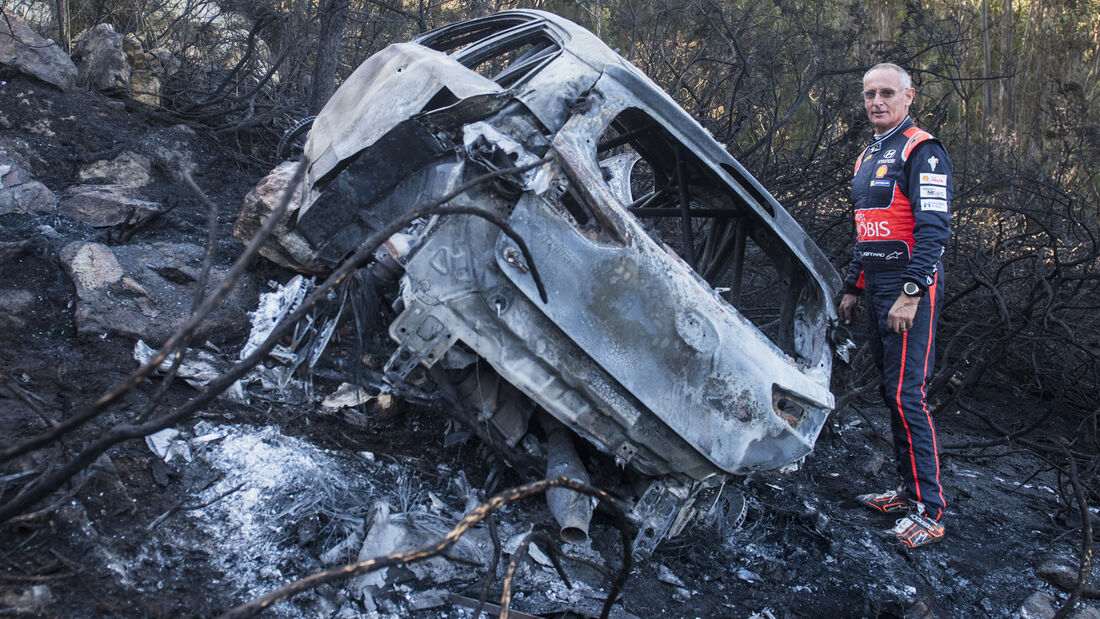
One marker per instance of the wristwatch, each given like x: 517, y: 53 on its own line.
x: 911, y: 289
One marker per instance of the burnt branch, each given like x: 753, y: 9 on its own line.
x: 441, y: 546
x: 1086, y: 537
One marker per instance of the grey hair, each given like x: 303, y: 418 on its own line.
x: 906, y: 81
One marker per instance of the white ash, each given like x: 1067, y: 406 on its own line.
x: 282, y: 480
x: 273, y: 307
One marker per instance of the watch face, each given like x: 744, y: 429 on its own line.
x: 910, y: 289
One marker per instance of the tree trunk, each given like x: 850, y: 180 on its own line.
x: 61, y: 11
x: 1008, y: 64
x: 334, y: 14
x: 987, y: 86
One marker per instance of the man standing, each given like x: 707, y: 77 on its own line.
x: 902, y: 191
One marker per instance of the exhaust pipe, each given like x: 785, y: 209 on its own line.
x: 571, y: 509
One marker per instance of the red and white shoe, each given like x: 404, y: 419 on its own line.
x: 918, y: 529
x: 888, y: 502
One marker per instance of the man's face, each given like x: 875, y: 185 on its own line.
x: 886, y: 102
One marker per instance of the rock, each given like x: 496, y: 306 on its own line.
x: 146, y: 71
x: 145, y: 291
x: 748, y: 575
x: 91, y: 266
x: 424, y: 600
x: 665, y: 575
x: 13, y: 250
x: 1085, y: 612
x: 38, y: 15
x: 1063, y: 575
x: 170, y: 148
x: 32, y: 600
x: 26, y: 52
x: 19, y: 192
x: 129, y: 170
x: 101, y: 61
x: 874, y: 463
x: 103, y: 206
x: 14, y: 305
x: 285, y: 247
x: 1038, y: 606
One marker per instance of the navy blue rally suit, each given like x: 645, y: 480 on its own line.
x: 902, y: 193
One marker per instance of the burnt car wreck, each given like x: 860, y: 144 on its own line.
x: 684, y: 333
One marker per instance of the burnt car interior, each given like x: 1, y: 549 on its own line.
x: 685, y: 206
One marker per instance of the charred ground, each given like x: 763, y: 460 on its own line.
x: 104, y: 546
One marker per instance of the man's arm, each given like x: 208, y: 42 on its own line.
x: 929, y: 193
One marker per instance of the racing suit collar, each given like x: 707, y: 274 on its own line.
x: 904, y: 124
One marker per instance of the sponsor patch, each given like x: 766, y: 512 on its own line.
x: 889, y: 153
x: 934, y: 205
x: 932, y: 191
x: 891, y: 160
x: 927, y: 178
x: 881, y: 171
x: 882, y: 255
x: 882, y: 183
x: 932, y: 161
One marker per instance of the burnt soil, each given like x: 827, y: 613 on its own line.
x: 102, y: 545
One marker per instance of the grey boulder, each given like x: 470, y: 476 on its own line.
x: 23, y: 50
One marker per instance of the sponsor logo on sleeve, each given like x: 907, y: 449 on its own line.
x: 933, y: 162
x: 927, y: 191
x: 881, y: 171
x: 934, y: 205
x: 927, y: 178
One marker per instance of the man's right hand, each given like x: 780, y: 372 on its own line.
x: 848, y: 307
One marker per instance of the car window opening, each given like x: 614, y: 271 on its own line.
x: 721, y: 235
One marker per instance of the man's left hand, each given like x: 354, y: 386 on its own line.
x: 902, y: 313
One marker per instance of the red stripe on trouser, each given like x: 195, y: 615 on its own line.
x: 924, y: 394
x: 897, y: 399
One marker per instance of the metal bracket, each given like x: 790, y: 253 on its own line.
x: 423, y: 339
x: 661, y: 513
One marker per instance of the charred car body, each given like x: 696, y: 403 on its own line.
x: 684, y: 333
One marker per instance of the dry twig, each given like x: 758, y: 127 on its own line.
x: 1086, y: 537
x: 441, y: 546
